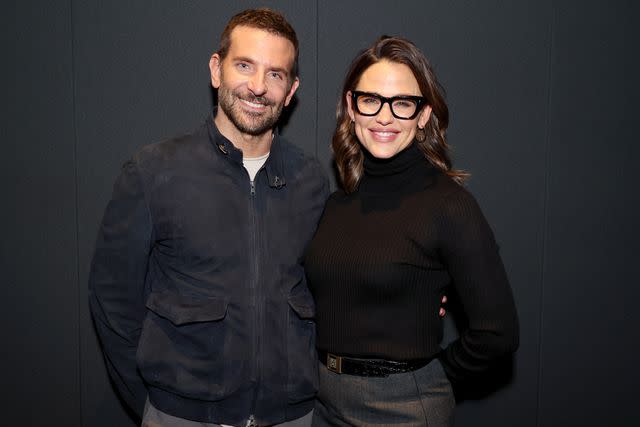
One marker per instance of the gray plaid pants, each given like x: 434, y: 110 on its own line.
x: 421, y: 398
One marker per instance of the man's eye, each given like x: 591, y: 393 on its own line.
x: 276, y: 76
x: 242, y: 66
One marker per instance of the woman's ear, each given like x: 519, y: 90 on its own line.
x: 349, y: 106
x: 424, y: 116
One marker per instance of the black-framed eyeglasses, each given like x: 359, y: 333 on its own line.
x: 403, y: 107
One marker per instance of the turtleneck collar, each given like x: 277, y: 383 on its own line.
x: 406, y: 172
x: 393, y: 165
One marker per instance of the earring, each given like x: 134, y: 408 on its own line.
x: 421, y: 135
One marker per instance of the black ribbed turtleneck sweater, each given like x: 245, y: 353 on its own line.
x: 383, y: 256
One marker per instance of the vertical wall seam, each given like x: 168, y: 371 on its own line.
x: 317, y: 56
x: 545, y: 208
x: 77, y: 208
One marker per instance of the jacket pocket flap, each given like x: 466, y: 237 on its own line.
x: 182, y: 309
x: 303, y: 305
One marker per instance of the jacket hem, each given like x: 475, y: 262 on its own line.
x: 226, y: 411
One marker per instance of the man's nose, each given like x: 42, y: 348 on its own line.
x: 257, y: 84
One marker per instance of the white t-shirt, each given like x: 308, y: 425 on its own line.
x: 253, y: 164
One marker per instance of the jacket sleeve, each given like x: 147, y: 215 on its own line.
x: 471, y: 255
x: 116, y: 283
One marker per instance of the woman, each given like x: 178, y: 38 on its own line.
x: 389, y: 243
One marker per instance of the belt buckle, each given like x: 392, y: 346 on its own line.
x: 334, y: 363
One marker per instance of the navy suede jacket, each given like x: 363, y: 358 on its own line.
x: 197, y: 287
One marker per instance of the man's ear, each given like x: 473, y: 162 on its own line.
x: 215, y: 64
x: 294, y: 87
x: 349, y: 106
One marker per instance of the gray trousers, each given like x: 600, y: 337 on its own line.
x: 153, y: 417
x: 420, y: 398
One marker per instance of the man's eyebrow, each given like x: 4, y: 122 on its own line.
x: 280, y: 70
x: 243, y: 59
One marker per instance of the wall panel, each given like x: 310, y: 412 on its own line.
x: 589, y: 331
x: 38, y: 249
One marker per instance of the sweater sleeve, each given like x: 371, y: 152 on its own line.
x: 116, y: 283
x: 470, y: 253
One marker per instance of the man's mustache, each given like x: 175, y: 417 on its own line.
x: 256, y: 99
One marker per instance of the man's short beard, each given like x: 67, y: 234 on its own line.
x: 259, y: 124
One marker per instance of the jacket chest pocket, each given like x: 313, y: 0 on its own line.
x: 188, y: 346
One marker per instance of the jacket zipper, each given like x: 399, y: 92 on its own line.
x: 255, y: 277
x: 255, y: 295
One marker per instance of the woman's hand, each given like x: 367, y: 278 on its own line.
x: 442, y: 311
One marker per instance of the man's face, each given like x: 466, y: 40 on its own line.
x: 254, y: 80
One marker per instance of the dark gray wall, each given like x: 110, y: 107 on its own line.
x: 38, y: 249
x: 589, y: 325
x: 543, y: 97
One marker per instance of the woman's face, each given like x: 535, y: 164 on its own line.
x: 384, y: 135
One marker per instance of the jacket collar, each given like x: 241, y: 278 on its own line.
x: 275, y: 164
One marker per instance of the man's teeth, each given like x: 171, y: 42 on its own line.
x: 253, y: 104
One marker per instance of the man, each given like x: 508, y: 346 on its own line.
x: 196, y: 288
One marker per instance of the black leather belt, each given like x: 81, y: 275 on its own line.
x: 368, y: 367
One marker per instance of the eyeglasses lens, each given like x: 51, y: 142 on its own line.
x: 370, y: 105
